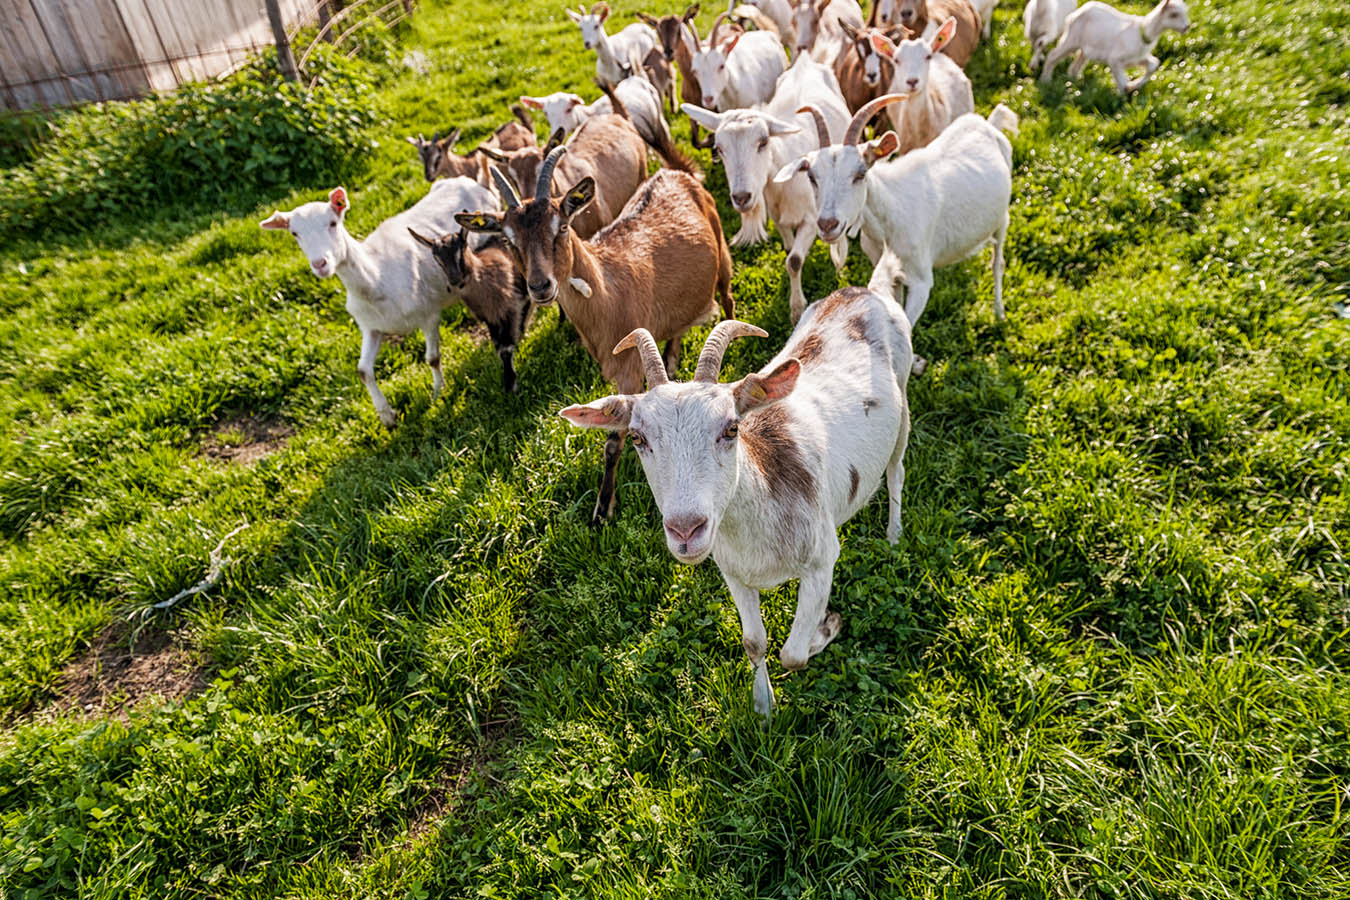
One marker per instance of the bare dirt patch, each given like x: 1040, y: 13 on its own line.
x: 244, y: 440
x: 116, y: 674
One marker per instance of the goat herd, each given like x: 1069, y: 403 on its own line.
x: 760, y: 472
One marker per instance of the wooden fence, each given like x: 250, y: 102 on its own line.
x: 65, y: 52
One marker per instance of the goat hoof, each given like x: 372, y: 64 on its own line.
x: 827, y: 632
x: 389, y: 419
x: 893, y: 533
x: 763, y: 692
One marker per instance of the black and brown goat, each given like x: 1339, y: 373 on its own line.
x: 662, y: 265
x: 679, y: 40
x: 492, y: 290
x: 439, y: 159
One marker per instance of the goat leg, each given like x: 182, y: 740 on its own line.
x: 604, y: 504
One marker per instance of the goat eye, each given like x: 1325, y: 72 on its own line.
x: 859, y: 177
x: 763, y: 142
x: 731, y: 431
x: 639, y: 441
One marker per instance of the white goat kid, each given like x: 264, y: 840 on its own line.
x: 740, y: 74
x: 1043, y: 23
x: 1104, y: 34
x: 638, y: 95
x: 938, y: 91
x: 755, y: 143
x: 926, y: 209
x: 760, y: 473
x: 393, y: 285
x: 613, y: 52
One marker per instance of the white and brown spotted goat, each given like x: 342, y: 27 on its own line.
x: 760, y: 473
x: 658, y: 266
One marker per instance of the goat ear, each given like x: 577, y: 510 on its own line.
x: 788, y: 171
x: 689, y: 13
x: 277, y: 219
x: 575, y: 200
x: 414, y: 141
x: 610, y: 413
x: 731, y: 45
x: 601, y: 10
x: 944, y: 34
x: 492, y: 153
x: 448, y: 142
x: 849, y: 30
x: 479, y: 222
x: 648, y: 19
x: 705, y: 117
x: 554, y: 141
x: 422, y: 239
x: 881, y: 148
x: 883, y: 45
x: 337, y: 198
x: 575, y: 17
x: 531, y: 102
x: 779, y: 127
x: 755, y: 390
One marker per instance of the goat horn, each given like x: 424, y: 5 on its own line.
x: 822, y: 130
x: 642, y: 339
x: 717, y: 25
x: 509, y: 196
x: 543, y: 190
x: 710, y: 359
x: 864, y: 115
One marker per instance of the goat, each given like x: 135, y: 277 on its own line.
x: 1104, y: 34
x: 768, y: 15
x: 938, y: 91
x: 885, y: 14
x: 612, y: 52
x: 393, y: 287
x: 607, y: 148
x: 739, y: 74
x: 1043, y: 23
x: 985, y: 8
x: 930, y: 208
x: 658, y: 266
x: 439, y: 159
x: 919, y: 15
x: 754, y: 143
x: 638, y: 97
x: 491, y: 288
x: 761, y: 473
x: 818, y: 27
x: 863, y: 74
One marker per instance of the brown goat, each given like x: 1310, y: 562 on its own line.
x: 863, y: 73
x: 674, y: 32
x: 916, y: 14
x: 492, y: 290
x: 607, y: 148
x: 439, y: 159
x: 659, y: 266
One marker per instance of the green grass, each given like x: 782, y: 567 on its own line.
x: 1108, y: 659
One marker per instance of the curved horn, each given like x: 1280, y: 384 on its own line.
x: 509, y: 197
x: 710, y: 359
x: 642, y: 339
x: 543, y: 190
x: 717, y: 26
x: 822, y: 130
x: 864, y: 115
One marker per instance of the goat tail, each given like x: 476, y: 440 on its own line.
x: 673, y: 156
x: 617, y: 107
x: 1004, y: 119
x: 762, y: 22
x: 523, y: 115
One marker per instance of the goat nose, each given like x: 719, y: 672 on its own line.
x: 541, y: 289
x: 913, y: 83
x: 685, y: 528
x: 740, y: 199
x: 827, y: 226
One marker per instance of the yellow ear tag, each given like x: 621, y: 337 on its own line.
x: 757, y: 391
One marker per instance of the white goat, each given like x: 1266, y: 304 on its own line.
x: 739, y: 74
x: 613, y: 52
x: 760, y: 473
x: 393, y: 285
x: 775, y: 12
x: 1043, y: 23
x: 938, y: 90
x: 986, y: 10
x: 818, y: 26
x: 926, y: 209
x: 638, y: 95
x: 755, y: 143
x: 1104, y: 34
